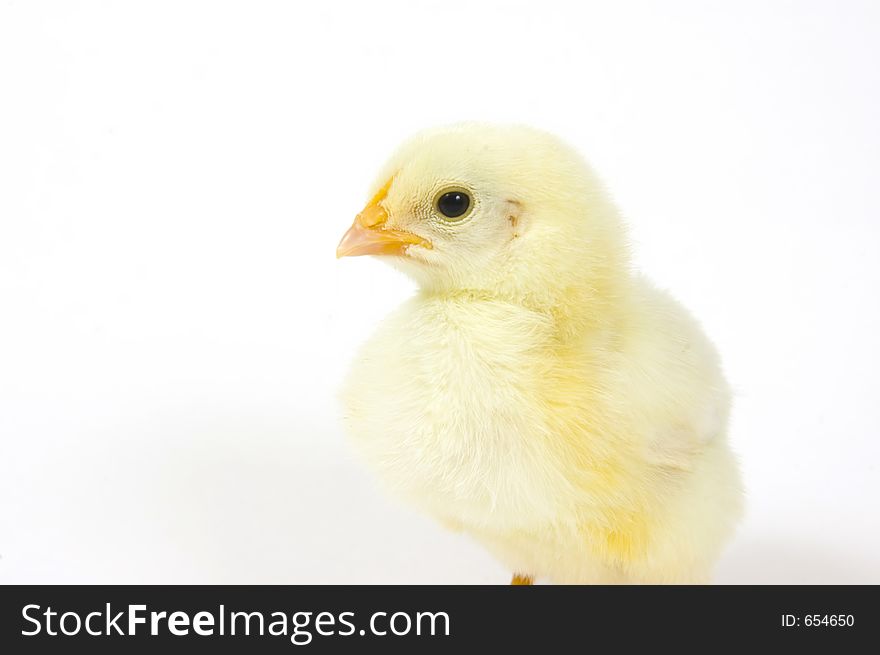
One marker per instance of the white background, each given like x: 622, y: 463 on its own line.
x: 174, y: 178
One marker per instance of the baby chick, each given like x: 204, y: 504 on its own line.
x: 536, y: 393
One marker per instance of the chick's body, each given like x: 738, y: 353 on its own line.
x: 535, y: 393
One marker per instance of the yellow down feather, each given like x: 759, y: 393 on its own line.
x: 536, y: 393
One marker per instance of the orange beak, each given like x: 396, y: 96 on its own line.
x: 368, y: 236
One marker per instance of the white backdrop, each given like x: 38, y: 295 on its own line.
x: 174, y: 178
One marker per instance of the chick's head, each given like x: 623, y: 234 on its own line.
x: 501, y: 210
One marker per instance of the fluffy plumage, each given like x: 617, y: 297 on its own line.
x: 536, y: 393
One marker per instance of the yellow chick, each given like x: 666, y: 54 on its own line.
x: 536, y: 393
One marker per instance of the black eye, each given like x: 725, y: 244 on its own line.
x: 453, y: 204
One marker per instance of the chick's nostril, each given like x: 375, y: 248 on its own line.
x: 372, y: 216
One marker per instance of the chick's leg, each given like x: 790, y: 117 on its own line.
x: 519, y: 579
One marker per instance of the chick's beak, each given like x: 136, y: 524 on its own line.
x: 368, y: 236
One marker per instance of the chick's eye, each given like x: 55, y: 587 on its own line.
x: 453, y: 204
